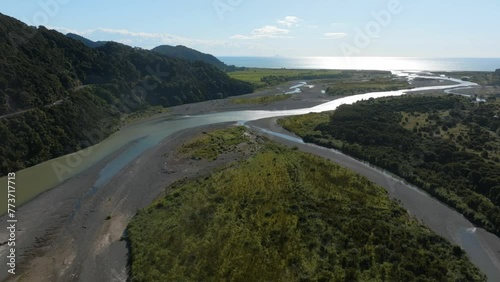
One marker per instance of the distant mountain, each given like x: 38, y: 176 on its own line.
x: 58, y: 96
x: 186, y: 53
x: 87, y: 42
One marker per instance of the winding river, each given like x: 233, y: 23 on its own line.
x: 139, y: 138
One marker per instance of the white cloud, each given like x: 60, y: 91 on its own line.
x: 271, y: 31
x: 159, y: 38
x: 335, y: 35
x: 241, y: 37
x: 127, y: 32
x: 268, y: 31
x: 63, y: 29
x: 289, y: 21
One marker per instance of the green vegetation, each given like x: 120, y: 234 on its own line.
x: 210, y: 145
x: 373, y: 85
x: 305, y: 124
x: 142, y: 114
x: 41, y: 67
x: 189, y: 54
x: 481, y: 78
x: 85, y: 41
x: 349, y: 80
x: 261, y: 99
x: 283, y: 215
x: 269, y: 77
x: 445, y: 145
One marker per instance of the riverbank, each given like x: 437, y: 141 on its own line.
x: 90, y: 241
x: 85, y: 245
x: 311, y: 95
x: 482, y: 247
x: 282, y: 207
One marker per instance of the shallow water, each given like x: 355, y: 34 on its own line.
x: 139, y: 138
x: 35, y: 180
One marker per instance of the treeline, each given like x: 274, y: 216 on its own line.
x: 451, y: 151
x: 45, y: 133
x: 284, y: 215
x: 271, y: 80
x: 68, y: 86
x: 189, y: 54
x: 481, y: 78
x: 373, y: 85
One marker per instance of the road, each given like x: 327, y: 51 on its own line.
x: 56, y: 103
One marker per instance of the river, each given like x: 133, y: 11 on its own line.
x: 37, y: 179
x: 139, y: 138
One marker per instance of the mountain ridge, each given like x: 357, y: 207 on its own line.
x: 189, y: 54
x: 40, y: 67
x: 87, y: 42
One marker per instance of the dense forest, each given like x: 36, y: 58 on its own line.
x: 87, y: 42
x: 189, y: 54
x: 58, y: 95
x: 447, y: 145
x: 481, y: 78
x: 284, y: 215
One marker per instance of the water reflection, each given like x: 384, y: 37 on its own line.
x: 42, y: 177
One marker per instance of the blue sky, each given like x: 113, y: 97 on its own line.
x: 422, y: 28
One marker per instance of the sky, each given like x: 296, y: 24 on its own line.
x: 288, y: 28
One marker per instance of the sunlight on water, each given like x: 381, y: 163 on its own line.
x: 43, y: 176
x: 472, y: 230
x: 368, y: 63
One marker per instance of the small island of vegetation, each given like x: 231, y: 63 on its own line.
x: 284, y: 215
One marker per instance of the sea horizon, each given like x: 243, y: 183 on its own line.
x: 445, y: 64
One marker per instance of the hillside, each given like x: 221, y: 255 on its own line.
x: 87, y: 42
x: 189, y: 54
x: 283, y: 215
x: 63, y: 96
x: 445, y: 145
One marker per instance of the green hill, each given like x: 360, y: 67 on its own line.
x: 445, y: 145
x: 189, y: 54
x: 58, y: 91
x: 87, y: 42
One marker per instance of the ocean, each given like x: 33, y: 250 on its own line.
x: 368, y: 63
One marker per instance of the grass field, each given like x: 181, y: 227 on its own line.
x: 284, y: 215
x: 255, y: 75
x: 359, y: 87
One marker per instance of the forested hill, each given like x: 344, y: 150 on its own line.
x: 41, y: 79
x: 184, y: 52
x: 87, y: 42
x: 445, y: 145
